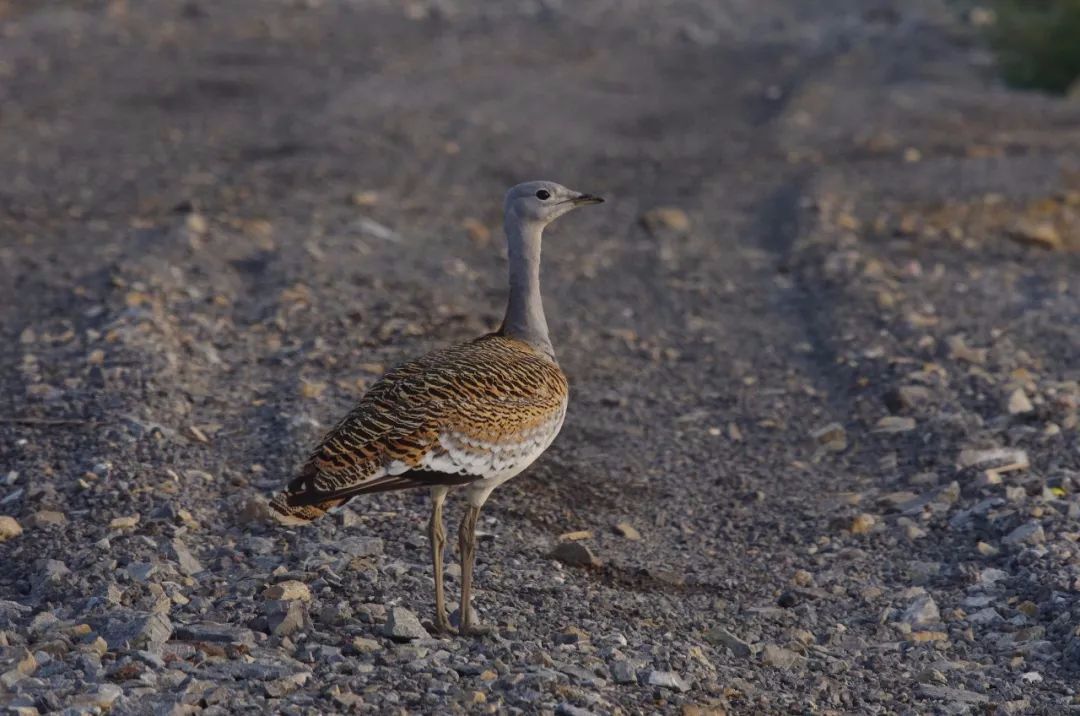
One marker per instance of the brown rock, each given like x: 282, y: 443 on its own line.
x: 1041, y: 234
x: 831, y: 437
x: 288, y: 590
x: 124, y: 523
x: 254, y: 510
x: 365, y: 198
x: 862, y: 524
x: 311, y: 389
x: 666, y: 217
x: 575, y: 554
x: 894, y: 424
x: 365, y: 646
x: 47, y: 518
x: 477, y: 232
x: 697, y: 710
x: 628, y: 531
x: 1019, y: 403
x: 9, y: 528
x: 907, y: 397
x: 571, y: 635
x: 959, y: 350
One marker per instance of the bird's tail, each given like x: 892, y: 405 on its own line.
x: 290, y: 508
x: 287, y: 514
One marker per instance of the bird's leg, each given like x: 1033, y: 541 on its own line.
x: 467, y: 545
x: 437, y: 537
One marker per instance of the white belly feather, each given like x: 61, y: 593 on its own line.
x: 493, y: 463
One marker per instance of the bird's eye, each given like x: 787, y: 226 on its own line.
x: 543, y: 195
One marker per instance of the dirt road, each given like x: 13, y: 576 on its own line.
x: 219, y: 221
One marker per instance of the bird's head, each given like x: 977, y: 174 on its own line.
x: 543, y: 201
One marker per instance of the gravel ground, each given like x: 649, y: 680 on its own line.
x: 823, y: 342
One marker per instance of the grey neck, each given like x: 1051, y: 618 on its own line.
x: 525, y: 309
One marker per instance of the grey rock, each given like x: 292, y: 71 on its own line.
x: 977, y: 601
x: 10, y: 678
x: 104, y: 698
x: 142, y: 571
x: 623, y: 672
x: 360, y: 546
x: 285, y: 617
x: 54, y: 571
x: 722, y: 637
x: 667, y: 680
x: 895, y: 500
x: 946, y: 693
x: 402, y: 625
x: 568, y: 709
x: 267, y: 666
x: 960, y: 521
x: 21, y: 706
x: 137, y: 630
x: 335, y: 614
x: 286, y: 685
x: 321, y: 653
x: 187, y: 562
x: 347, y: 517
x: 931, y: 676
x: 11, y: 613
x: 455, y: 616
x: 581, y: 675
x: 150, y: 659
x: 920, y: 572
x: 781, y: 658
x: 922, y: 611
x: 258, y: 545
x: 1027, y: 533
x: 214, y: 632
x: 989, y: 615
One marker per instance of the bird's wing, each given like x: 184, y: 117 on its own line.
x: 448, y: 418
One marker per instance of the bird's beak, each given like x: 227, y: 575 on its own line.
x: 583, y: 199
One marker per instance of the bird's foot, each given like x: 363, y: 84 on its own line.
x: 477, y: 630
x: 442, y: 626
x: 473, y: 627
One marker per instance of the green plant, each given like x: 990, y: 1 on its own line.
x: 1038, y: 42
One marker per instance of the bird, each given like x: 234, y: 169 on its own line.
x: 468, y: 417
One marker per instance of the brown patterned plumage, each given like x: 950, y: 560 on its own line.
x: 471, y: 412
x: 473, y: 415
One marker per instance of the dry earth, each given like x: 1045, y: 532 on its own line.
x: 219, y: 221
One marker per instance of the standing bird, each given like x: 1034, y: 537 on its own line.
x: 472, y: 415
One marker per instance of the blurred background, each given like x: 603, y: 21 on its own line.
x: 823, y: 341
